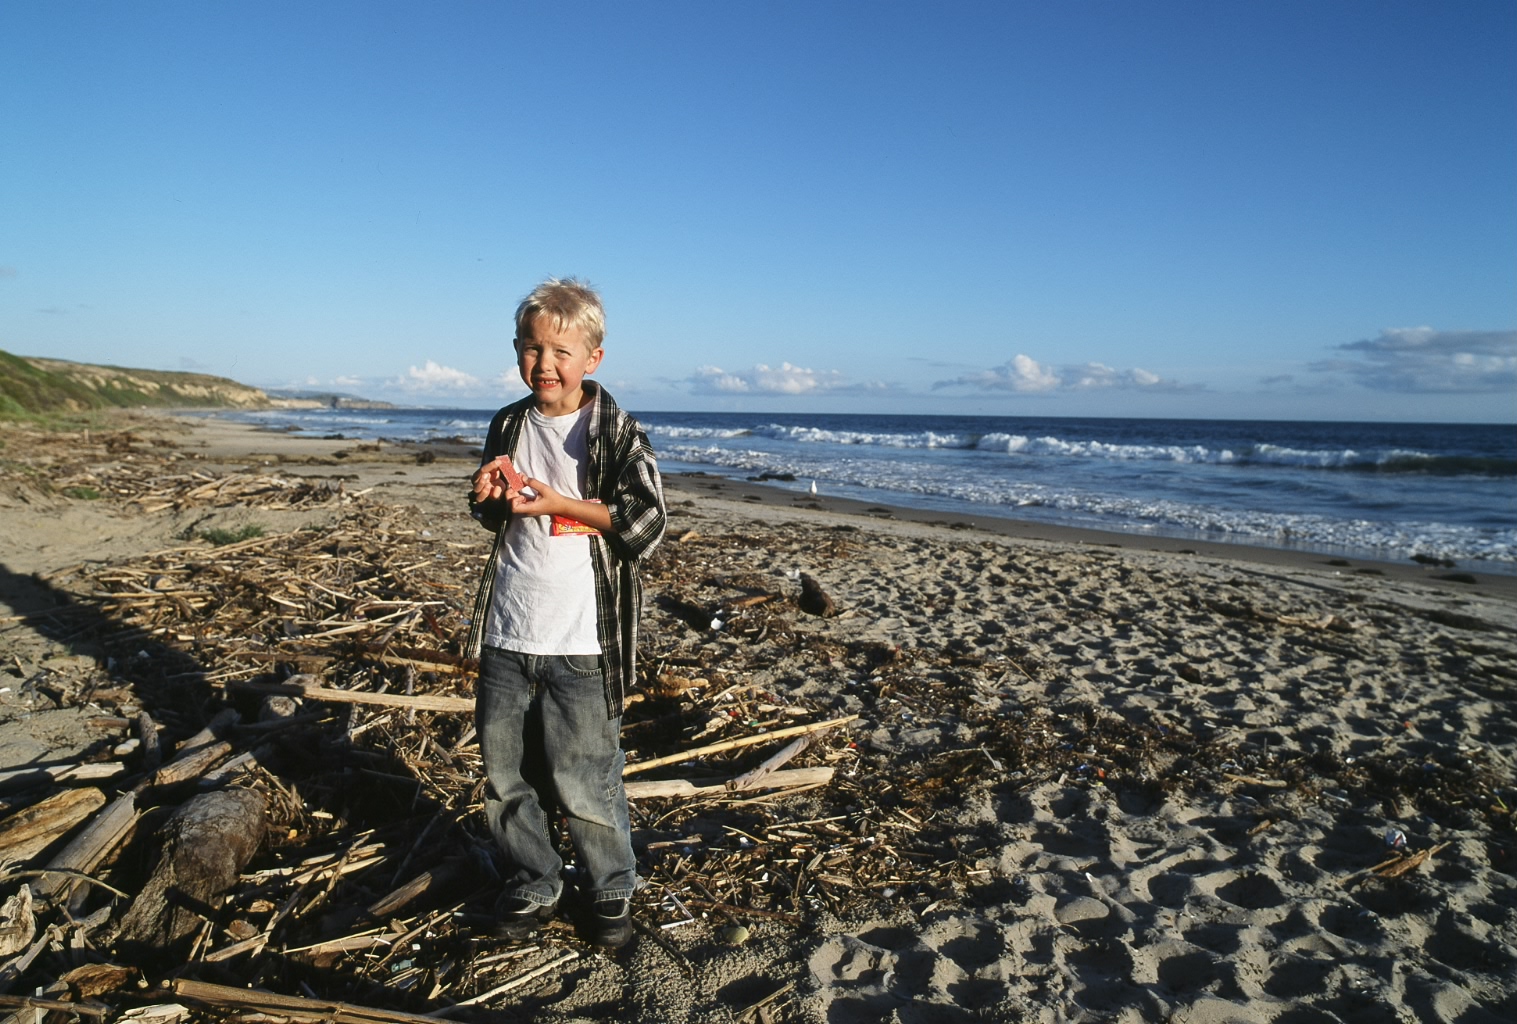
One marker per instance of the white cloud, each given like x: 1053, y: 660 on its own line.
x: 433, y: 376
x: 1099, y: 375
x: 765, y: 380
x: 1025, y: 375
x: 1425, y: 360
x: 346, y: 381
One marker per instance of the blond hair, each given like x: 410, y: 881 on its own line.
x: 569, y: 302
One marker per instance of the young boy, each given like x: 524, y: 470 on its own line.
x: 555, y: 621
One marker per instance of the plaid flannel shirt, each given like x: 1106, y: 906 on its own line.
x: 623, y: 474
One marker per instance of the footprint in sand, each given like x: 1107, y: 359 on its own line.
x: 951, y: 971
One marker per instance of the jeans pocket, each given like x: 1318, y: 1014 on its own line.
x: 583, y: 665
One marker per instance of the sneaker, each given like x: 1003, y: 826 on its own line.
x: 609, y: 923
x: 519, y: 919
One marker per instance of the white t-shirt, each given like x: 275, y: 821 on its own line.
x: 544, y: 599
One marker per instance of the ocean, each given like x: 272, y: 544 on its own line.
x: 1387, y: 491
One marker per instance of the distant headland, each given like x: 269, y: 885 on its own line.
x: 31, y: 385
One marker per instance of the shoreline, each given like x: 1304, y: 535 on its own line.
x: 994, y: 519
x: 764, y: 494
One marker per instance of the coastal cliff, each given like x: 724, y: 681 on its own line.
x: 35, y: 385
x: 31, y: 385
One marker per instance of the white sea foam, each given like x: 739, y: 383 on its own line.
x: 1058, y: 447
x: 883, y: 439
x: 1017, y: 444
x: 937, y: 485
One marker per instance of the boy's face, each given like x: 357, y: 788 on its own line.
x: 554, y: 362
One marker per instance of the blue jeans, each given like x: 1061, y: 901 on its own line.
x: 549, y: 747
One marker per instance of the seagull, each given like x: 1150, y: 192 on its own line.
x: 813, y: 487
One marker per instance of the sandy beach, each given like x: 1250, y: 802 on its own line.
x: 1068, y: 776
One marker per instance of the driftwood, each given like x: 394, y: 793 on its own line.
x: 521, y: 979
x: 214, y: 731
x: 225, y: 997
x: 37, y: 1003
x: 192, y: 765
x: 206, y: 843
x: 736, y: 743
x: 19, y: 778
x: 425, y: 882
x: 756, y: 777
x: 307, y: 686
x: 90, y: 847
x: 28, y: 832
x: 147, y: 736
x: 771, y: 780
x: 18, y: 925
x: 1412, y: 862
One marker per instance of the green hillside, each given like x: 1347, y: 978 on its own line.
x: 32, y: 386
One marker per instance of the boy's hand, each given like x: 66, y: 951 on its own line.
x: 535, y: 498
x: 497, y: 478
x: 538, y: 499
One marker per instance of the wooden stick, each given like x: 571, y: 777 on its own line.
x: 65, y: 772
x: 1249, y: 780
x: 296, y: 687
x: 78, y: 876
x: 358, y: 940
x: 435, y: 878
x: 734, y: 744
x: 771, y: 997
x: 90, y: 847
x: 31, y: 830
x: 750, y: 780
x: 684, y: 787
x: 192, y: 765
x: 19, y: 966
x: 1416, y: 860
x: 214, y: 730
x: 294, y: 1006
x: 34, y: 1002
x: 778, y: 794
x: 516, y: 982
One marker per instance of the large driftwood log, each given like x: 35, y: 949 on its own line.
x: 28, y: 832
x: 206, y: 843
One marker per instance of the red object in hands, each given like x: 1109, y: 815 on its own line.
x: 514, y: 480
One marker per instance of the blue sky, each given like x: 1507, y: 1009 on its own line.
x: 1258, y: 210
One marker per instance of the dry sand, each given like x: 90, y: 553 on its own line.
x: 1116, y: 779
